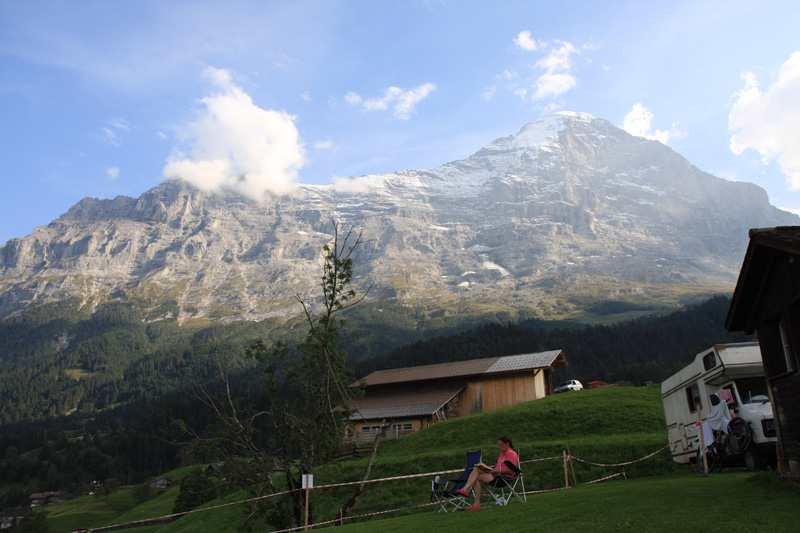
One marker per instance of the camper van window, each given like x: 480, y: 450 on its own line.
x: 709, y: 361
x: 750, y: 388
x: 692, y: 398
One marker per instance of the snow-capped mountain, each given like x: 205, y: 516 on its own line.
x: 569, y: 203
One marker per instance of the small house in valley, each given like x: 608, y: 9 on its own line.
x: 767, y: 301
x: 161, y: 483
x: 413, y: 398
x: 49, y: 497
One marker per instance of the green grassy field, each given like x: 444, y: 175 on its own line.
x: 603, y: 426
x: 728, y: 502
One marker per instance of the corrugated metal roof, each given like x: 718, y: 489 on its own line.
x: 398, y: 404
x: 461, y: 369
x: 420, y: 373
x: 526, y: 361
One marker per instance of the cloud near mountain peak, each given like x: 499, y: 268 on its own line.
x: 236, y: 145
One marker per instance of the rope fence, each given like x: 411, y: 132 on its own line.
x: 565, y: 458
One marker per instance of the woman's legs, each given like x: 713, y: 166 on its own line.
x: 476, y: 477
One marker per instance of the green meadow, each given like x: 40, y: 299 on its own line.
x: 608, y: 426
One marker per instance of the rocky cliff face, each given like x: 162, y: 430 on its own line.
x: 567, y: 201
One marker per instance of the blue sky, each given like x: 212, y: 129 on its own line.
x: 103, y: 98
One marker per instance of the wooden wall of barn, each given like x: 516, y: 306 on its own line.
x: 492, y: 391
x: 778, y: 302
x: 501, y: 390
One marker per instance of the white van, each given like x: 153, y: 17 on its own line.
x: 736, y: 367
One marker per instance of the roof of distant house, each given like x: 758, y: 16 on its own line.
x: 463, y: 369
x: 10, y: 512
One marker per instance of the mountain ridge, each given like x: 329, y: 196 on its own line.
x: 568, y: 200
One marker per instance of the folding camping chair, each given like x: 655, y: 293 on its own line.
x: 443, y: 491
x: 498, y: 487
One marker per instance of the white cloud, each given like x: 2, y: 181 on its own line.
x: 639, y: 121
x: 558, y: 58
x: 407, y: 101
x: 489, y: 93
x: 555, y: 81
x: 556, y: 63
x: 354, y: 185
x: 353, y: 98
x: 768, y: 121
x: 306, y: 96
x: 109, y: 136
x: 113, y: 172
x: 238, y: 146
x: 524, y: 41
x: 552, y: 84
x: 380, y: 104
x: 119, y: 124
x: 402, y: 102
x: 325, y: 145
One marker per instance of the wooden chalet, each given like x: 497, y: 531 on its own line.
x: 46, y: 498
x: 161, y: 483
x: 410, y: 399
x: 767, y: 301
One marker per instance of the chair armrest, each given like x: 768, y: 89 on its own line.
x: 511, y: 466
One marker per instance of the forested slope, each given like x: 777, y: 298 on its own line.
x: 639, y: 350
x: 128, y: 379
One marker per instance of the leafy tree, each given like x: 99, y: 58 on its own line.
x: 143, y: 492
x: 110, y: 486
x: 306, y: 410
x: 196, y: 489
x: 33, y: 522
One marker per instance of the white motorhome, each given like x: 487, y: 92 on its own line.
x: 736, y: 367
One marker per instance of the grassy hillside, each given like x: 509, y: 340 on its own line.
x: 602, y: 425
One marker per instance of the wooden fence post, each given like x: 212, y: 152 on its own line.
x: 572, y: 467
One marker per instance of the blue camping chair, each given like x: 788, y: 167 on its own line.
x: 443, y: 491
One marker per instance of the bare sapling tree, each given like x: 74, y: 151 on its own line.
x: 308, y: 403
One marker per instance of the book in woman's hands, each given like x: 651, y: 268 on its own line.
x: 485, y: 468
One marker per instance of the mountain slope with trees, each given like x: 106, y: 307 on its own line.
x: 638, y: 350
x: 128, y: 439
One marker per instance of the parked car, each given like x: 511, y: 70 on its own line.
x: 572, y: 384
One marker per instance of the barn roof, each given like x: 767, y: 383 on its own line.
x: 464, y: 369
x: 760, y: 255
x: 399, y: 404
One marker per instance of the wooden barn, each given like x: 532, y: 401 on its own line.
x: 409, y: 399
x: 767, y: 300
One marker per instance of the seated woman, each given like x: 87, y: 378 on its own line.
x: 478, y: 476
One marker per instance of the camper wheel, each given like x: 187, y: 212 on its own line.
x: 753, y: 459
x: 739, y: 435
